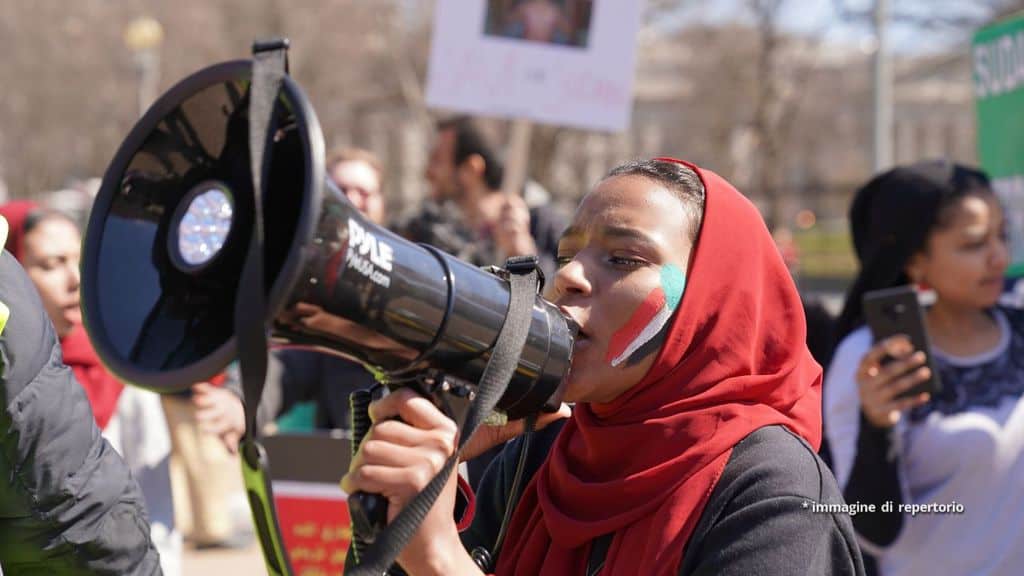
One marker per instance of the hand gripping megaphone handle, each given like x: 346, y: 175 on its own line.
x: 369, y: 509
x: 369, y: 512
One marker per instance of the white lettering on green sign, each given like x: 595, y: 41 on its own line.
x: 999, y: 65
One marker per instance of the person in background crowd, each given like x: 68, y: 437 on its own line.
x: 438, y: 223
x: 471, y: 218
x: 691, y: 447
x: 465, y: 170
x: 205, y: 426
x: 68, y: 502
x: 359, y: 175
x: 936, y: 225
x: 209, y: 502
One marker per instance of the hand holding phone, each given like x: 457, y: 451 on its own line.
x: 898, y: 372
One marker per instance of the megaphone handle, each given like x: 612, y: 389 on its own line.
x: 369, y: 514
x: 368, y: 511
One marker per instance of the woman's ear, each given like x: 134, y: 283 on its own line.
x: 472, y: 169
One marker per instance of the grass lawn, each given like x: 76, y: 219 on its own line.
x: 826, y: 253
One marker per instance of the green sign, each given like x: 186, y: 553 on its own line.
x: 998, y: 54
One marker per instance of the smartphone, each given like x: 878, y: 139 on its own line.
x: 895, y: 311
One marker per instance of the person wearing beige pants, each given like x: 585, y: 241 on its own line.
x: 206, y: 473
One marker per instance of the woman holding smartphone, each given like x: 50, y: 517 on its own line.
x: 949, y: 465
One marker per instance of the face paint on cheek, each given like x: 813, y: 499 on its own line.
x: 646, y: 329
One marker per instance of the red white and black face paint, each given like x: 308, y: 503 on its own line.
x: 644, y: 332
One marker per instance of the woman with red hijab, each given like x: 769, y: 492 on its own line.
x: 50, y: 257
x: 692, y: 445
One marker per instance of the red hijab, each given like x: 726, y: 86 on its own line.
x: 102, y: 389
x: 100, y: 386
x: 643, y: 466
x: 16, y: 213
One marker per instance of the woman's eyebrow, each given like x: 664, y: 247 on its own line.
x: 627, y: 233
x: 623, y: 232
x: 570, y: 232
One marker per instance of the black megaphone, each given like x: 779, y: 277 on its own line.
x: 167, y: 239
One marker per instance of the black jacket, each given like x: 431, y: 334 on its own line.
x: 755, y: 521
x: 68, y: 504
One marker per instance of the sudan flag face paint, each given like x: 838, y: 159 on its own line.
x: 646, y: 329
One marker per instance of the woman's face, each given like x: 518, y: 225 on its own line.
x: 966, y: 260
x: 51, y: 254
x: 621, y: 267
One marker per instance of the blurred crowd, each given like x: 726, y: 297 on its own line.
x: 936, y: 226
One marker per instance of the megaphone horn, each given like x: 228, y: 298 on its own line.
x: 167, y: 238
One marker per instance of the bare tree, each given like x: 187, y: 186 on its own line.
x: 768, y: 104
x: 782, y: 65
x: 70, y: 87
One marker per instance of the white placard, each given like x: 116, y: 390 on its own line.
x: 563, y: 62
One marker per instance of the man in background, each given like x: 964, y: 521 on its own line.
x: 470, y: 216
x: 465, y: 173
x: 359, y: 175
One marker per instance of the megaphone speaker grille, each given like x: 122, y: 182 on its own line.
x: 200, y: 226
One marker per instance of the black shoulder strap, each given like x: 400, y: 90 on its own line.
x: 270, y: 61
x: 500, y: 367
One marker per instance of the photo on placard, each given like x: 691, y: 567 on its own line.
x: 559, y: 22
x: 557, y: 62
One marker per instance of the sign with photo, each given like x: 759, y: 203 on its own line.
x: 562, y: 62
